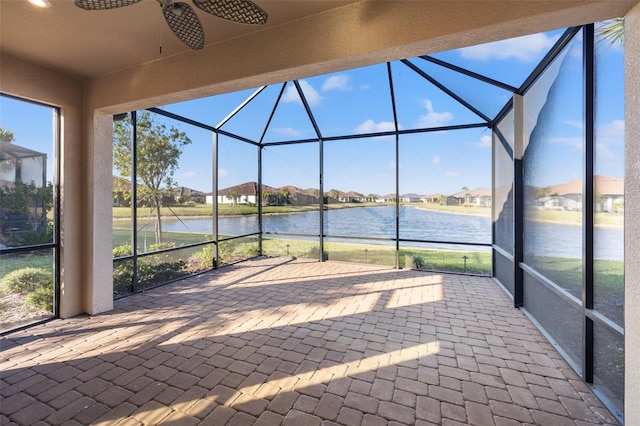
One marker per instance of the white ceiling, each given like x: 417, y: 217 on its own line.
x: 89, y: 44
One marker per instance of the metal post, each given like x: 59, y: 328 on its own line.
x: 259, y: 199
x: 588, y: 200
x: 518, y: 201
x: 134, y: 200
x: 397, y: 135
x: 321, y: 197
x: 214, y: 201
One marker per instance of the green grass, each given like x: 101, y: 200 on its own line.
x: 14, y: 262
x: 567, y: 273
x: 18, y: 261
x: 228, y: 210
x: 122, y: 236
x: 575, y: 217
x: 458, y: 209
x: 441, y: 260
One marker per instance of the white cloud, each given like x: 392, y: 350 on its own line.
x: 222, y: 172
x: 603, y: 152
x: 337, y: 82
x: 291, y: 94
x: 189, y: 174
x: 611, y: 131
x: 525, y: 49
x: 288, y: 131
x: 485, y: 142
x: 365, y: 87
x: 371, y: 126
x: 451, y: 173
x: 433, y: 118
x: 436, y: 160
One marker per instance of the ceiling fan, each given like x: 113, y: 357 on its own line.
x: 184, y: 22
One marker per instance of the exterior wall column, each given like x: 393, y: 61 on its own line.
x: 98, y: 189
x: 632, y: 215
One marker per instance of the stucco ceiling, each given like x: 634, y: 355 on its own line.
x: 90, y: 44
x: 117, y: 52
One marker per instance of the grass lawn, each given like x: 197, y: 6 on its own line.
x: 226, y: 209
x: 441, y: 260
x: 18, y: 261
x: 575, y: 217
x: 567, y: 273
x: 122, y: 236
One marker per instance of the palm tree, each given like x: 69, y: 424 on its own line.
x: 612, y: 30
x: 285, y: 195
x: 6, y: 135
x: 467, y: 194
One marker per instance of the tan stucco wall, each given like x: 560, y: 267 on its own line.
x: 632, y: 213
x: 28, y: 81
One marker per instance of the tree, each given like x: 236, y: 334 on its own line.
x: 543, y: 192
x: 285, y: 194
x: 467, y: 194
x: 233, y: 196
x: 158, y: 150
x: 6, y: 136
x: 612, y: 30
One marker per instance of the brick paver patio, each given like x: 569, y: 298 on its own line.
x: 294, y: 342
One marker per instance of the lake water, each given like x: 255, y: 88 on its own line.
x: 546, y: 239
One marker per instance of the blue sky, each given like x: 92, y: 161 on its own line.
x: 358, y: 101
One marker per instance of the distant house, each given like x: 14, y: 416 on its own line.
x: 188, y: 194
x: 245, y: 193
x: 456, y: 199
x: 356, y: 197
x: 477, y: 197
x: 481, y: 197
x: 609, y: 195
x: 337, y: 196
x: 432, y: 198
x: 298, y: 196
x: 410, y: 198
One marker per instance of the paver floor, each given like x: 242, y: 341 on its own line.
x: 294, y: 342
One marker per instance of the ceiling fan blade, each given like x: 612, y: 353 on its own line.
x: 103, y: 4
x: 185, y: 24
x: 240, y: 11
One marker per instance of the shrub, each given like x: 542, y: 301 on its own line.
x: 314, y: 253
x: 26, y: 279
x: 202, y: 259
x: 122, y: 275
x: 149, y: 274
x: 122, y: 251
x: 41, y: 298
x: 161, y: 246
x: 418, y: 261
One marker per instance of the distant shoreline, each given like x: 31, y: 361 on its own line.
x: 545, y: 216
